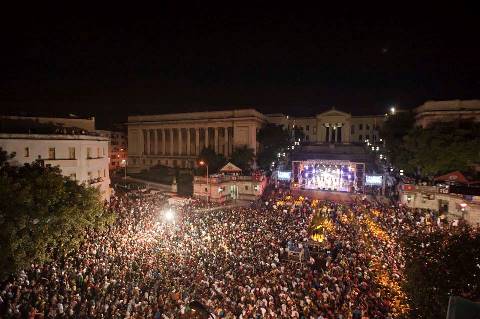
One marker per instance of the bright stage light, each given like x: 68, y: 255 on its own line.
x: 169, y: 215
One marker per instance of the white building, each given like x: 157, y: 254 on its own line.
x: 80, y: 154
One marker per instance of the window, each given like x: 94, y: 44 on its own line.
x: 89, y: 152
x: 98, y: 152
x: 360, y: 138
x: 307, y: 128
x: 103, y: 151
x: 71, y: 152
x: 360, y: 126
x: 307, y: 138
x: 51, y: 153
x: 206, y: 190
x: 73, y: 176
x: 314, y: 130
x: 174, y: 163
x: 26, y: 152
x: 352, y: 131
x: 367, y: 127
x: 89, y: 176
x: 246, y: 187
x: 104, y: 173
x: 367, y: 137
x: 99, y: 173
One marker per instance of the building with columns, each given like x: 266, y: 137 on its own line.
x: 333, y: 126
x: 176, y: 140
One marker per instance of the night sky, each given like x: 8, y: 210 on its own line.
x: 196, y: 58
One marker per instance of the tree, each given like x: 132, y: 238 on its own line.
x: 274, y: 139
x: 243, y: 157
x: 43, y: 212
x: 393, y: 132
x: 215, y: 161
x: 442, y: 148
x: 438, y: 265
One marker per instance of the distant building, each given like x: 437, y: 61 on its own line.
x: 447, y: 111
x: 80, y: 154
x: 117, y: 148
x: 176, y: 140
x: 333, y: 126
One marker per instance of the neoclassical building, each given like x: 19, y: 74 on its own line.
x: 333, y: 126
x: 176, y: 140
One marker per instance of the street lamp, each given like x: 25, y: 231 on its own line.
x: 392, y: 110
x: 124, y: 162
x: 203, y: 163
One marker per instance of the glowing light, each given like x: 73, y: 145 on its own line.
x: 169, y: 215
x: 392, y: 110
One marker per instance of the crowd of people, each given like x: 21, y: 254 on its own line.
x: 234, y: 262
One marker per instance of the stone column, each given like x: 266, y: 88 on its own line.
x: 197, y: 141
x: 156, y: 141
x: 171, y: 141
x: 180, y: 146
x: 252, y: 138
x: 215, y: 139
x: 188, y: 142
x: 163, y: 142
x: 226, y: 141
x: 206, y: 137
x: 148, y: 142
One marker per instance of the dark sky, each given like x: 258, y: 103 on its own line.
x: 291, y: 60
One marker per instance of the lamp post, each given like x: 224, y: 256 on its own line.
x: 124, y: 162
x: 203, y: 163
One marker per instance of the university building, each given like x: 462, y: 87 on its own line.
x: 176, y: 140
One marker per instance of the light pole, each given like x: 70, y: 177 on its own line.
x: 124, y: 162
x: 203, y: 163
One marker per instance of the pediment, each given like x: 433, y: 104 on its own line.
x: 333, y: 113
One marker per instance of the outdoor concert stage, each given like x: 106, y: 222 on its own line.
x: 328, y: 175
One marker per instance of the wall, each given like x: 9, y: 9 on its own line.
x: 416, y: 199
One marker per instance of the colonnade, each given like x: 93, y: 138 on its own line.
x: 187, y: 141
x: 333, y: 132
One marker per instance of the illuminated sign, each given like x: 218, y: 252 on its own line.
x: 373, y: 180
x: 284, y: 175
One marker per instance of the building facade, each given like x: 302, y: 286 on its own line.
x: 224, y: 188
x: 117, y: 148
x: 333, y: 126
x: 446, y: 111
x: 176, y: 140
x: 83, y: 158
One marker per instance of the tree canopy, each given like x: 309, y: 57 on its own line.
x: 41, y: 212
x: 243, y: 157
x: 393, y: 131
x: 438, y: 265
x: 442, y: 148
x: 215, y: 161
x: 273, y: 139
